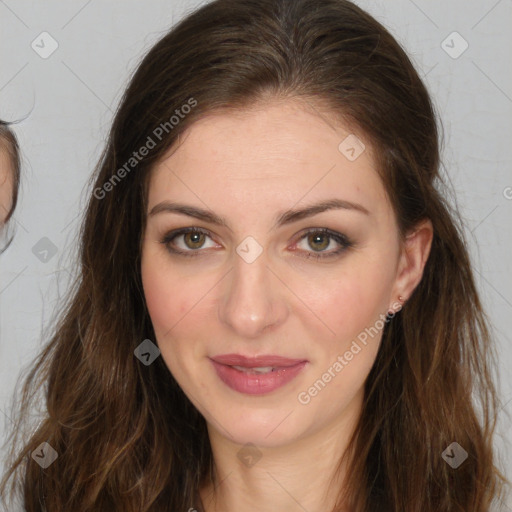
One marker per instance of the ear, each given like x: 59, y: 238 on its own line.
x: 414, y: 255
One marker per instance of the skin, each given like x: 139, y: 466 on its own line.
x: 6, y: 185
x: 248, y: 168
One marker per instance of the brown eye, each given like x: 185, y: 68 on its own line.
x: 318, y: 241
x: 194, y: 240
x: 322, y: 243
x: 188, y: 241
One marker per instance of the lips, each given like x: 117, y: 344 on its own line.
x: 256, y: 375
x: 256, y: 362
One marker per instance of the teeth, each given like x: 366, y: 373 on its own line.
x: 260, y: 369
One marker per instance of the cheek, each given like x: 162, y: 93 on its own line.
x: 168, y: 296
x: 352, y: 306
x: 162, y: 298
x: 166, y: 300
x: 350, y: 301
x: 176, y: 305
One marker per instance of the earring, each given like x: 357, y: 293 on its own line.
x: 392, y: 312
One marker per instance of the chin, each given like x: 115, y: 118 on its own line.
x: 260, y: 426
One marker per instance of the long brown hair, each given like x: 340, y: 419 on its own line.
x: 126, y: 436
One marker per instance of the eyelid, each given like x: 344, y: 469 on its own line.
x: 175, y: 233
x: 342, y: 240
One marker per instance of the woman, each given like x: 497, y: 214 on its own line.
x: 275, y: 308
x: 9, y: 182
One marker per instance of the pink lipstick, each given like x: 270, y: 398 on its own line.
x: 256, y: 375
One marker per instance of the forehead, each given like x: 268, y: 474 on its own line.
x: 277, y: 153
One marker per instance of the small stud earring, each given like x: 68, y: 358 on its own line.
x: 400, y: 298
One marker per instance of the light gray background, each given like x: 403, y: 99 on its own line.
x: 69, y: 98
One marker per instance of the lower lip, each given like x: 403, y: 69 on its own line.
x: 257, y: 383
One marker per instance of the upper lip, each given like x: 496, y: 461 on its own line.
x: 257, y: 361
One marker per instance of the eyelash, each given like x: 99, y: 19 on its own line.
x: 341, y: 239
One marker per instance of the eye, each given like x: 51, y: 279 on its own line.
x: 187, y: 241
x: 321, y: 240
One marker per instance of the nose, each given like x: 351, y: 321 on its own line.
x: 253, y: 298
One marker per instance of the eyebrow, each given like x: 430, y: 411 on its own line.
x: 281, y: 219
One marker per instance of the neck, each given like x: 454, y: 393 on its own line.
x: 299, y: 476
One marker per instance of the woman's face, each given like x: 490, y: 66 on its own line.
x: 249, y: 280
